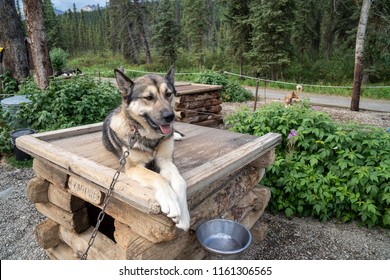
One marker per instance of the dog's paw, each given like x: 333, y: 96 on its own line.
x: 169, y: 203
x: 184, y: 221
x: 177, y: 136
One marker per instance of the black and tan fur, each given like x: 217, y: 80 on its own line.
x: 144, y: 122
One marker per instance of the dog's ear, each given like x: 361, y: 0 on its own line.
x: 170, y: 76
x: 124, y: 83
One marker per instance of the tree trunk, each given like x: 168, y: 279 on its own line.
x: 39, y: 47
x: 359, y: 55
x: 142, y: 32
x: 12, y: 40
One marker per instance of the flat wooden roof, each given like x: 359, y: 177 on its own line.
x: 203, y: 156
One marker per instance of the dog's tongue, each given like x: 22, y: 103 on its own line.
x: 166, y: 129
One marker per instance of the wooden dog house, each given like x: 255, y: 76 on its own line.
x: 73, y: 172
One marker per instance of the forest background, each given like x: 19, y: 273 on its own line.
x: 303, y: 41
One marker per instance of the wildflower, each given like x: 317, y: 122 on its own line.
x: 291, y: 141
x: 293, y: 133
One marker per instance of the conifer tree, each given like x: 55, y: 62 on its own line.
x: 236, y: 17
x: 194, y: 24
x: 166, y: 32
x: 51, y: 24
x: 270, y: 42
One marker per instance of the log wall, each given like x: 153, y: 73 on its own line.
x: 199, y: 104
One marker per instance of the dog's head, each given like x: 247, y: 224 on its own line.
x: 299, y: 88
x: 149, y: 101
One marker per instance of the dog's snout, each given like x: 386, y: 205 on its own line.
x: 168, y: 116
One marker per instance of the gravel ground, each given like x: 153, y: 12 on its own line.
x: 296, y: 238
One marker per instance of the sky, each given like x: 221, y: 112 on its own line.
x: 68, y: 4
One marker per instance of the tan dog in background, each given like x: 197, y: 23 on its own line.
x: 293, y: 96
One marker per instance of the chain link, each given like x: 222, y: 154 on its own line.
x: 122, y: 162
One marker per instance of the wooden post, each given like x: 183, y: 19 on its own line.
x: 265, y: 91
x: 256, y: 94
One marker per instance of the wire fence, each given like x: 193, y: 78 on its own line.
x: 290, y: 83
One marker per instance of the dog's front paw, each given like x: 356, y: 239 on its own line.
x: 169, y: 203
x: 184, y: 221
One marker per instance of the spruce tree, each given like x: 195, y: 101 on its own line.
x: 166, y: 32
x: 270, y: 42
x: 236, y: 17
x: 52, y: 26
x: 194, y: 24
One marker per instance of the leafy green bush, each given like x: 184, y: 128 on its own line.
x: 9, y: 84
x: 231, y: 90
x: 58, y: 58
x: 323, y: 169
x: 66, y: 103
x: 5, y: 139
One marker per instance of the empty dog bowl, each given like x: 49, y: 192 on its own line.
x: 224, y: 237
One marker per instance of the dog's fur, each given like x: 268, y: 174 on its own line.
x: 147, y: 115
x: 293, y: 96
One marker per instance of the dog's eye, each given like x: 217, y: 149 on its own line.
x: 168, y: 93
x: 149, y: 97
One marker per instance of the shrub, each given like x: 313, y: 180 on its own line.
x: 5, y: 139
x: 231, y: 90
x: 9, y: 84
x: 66, y: 103
x: 326, y: 170
x: 58, y: 58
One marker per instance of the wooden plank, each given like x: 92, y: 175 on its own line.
x: 162, y: 251
x: 123, y: 234
x: 88, y: 192
x: 37, y: 190
x: 46, y: 234
x: 103, y: 247
x: 63, y: 199
x: 197, y: 88
x: 138, y: 247
x: 211, y: 171
x: 61, y: 252
x: 77, y: 221
x: 50, y: 172
x: 155, y: 228
x: 69, y: 132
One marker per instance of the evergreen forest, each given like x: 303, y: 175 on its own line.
x: 306, y: 41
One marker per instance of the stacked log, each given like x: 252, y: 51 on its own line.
x: 199, y: 104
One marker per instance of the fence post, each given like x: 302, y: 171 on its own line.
x: 265, y: 91
x: 256, y: 94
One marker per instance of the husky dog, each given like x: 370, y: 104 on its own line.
x: 293, y: 96
x: 144, y: 124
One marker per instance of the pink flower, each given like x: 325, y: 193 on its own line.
x: 293, y: 133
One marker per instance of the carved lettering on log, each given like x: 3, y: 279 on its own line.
x: 85, y: 191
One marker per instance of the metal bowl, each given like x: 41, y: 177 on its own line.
x: 224, y: 237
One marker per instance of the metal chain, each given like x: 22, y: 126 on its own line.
x: 122, y: 162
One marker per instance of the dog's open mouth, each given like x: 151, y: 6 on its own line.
x: 163, y: 128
